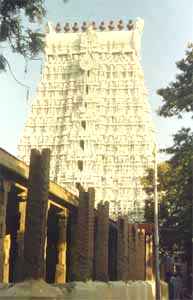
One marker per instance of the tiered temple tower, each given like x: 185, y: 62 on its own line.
x: 92, y: 111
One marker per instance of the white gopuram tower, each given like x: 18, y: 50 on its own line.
x: 92, y: 111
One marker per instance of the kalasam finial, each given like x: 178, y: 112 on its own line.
x: 111, y: 25
x: 94, y: 27
x: 120, y: 25
x: 58, y: 27
x: 75, y: 27
x: 130, y: 25
x: 84, y: 26
x: 102, y: 26
x: 67, y: 27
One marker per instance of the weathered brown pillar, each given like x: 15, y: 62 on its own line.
x: 85, y: 236
x: 4, y: 190
x: 60, y: 276
x: 101, y: 242
x: 122, y: 249
x: 132, y: 252
x: 72, y: 245
x: 36, y: 215
x: 140, y: 255
x: 112, y: 264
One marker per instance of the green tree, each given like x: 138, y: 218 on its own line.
x: 19, y: 20
x: 20, y: 24
x: 177, y: 97
x: 176, y: 180
x: 174, y: 194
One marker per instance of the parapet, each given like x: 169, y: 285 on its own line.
x: 93, y: 37
x: 102, y: 26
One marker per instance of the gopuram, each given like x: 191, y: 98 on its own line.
x: 91, y: 110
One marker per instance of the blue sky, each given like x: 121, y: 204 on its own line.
x: 168, y: 29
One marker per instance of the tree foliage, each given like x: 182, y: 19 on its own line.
x: 176, y: 175
x: 177, y: 97
x: 175, y: 194
x: 18, y: 27
x: 182, y: 183
x: 20, y: 22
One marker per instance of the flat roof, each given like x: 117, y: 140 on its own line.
x: 18, y: 171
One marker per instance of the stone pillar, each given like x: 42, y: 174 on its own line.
x: 4, y: 190
x: 36, y: 215
x: 140, y: 255
x: 72, y: 245
x: 101, y: 242
x: 6, y: 254
x: 112, y: 263
x: 60, y: 276
x: 122, y: 249
x: 20, y: 236
x: 149, y: 257
x: 132, y: 252
x: 85, y: 236
x: 46, y: 239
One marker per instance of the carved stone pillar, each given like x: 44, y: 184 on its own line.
x: 60, y: 276
x: 85, y: 236
x: 5, y: 189
x: 36, y: 215
x: 101, y: 242
x: 122, y: 249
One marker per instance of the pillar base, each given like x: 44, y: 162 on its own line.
x: 60, y: 274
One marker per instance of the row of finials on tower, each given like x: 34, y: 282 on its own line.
x: 102, y: 26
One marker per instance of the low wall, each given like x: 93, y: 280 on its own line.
x: 132, y: 290
x: 108, y: 291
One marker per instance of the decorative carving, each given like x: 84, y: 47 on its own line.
x: 137, y: 31
x: 88, y: 42
x: 49, y: 28
x: 86, y: 62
